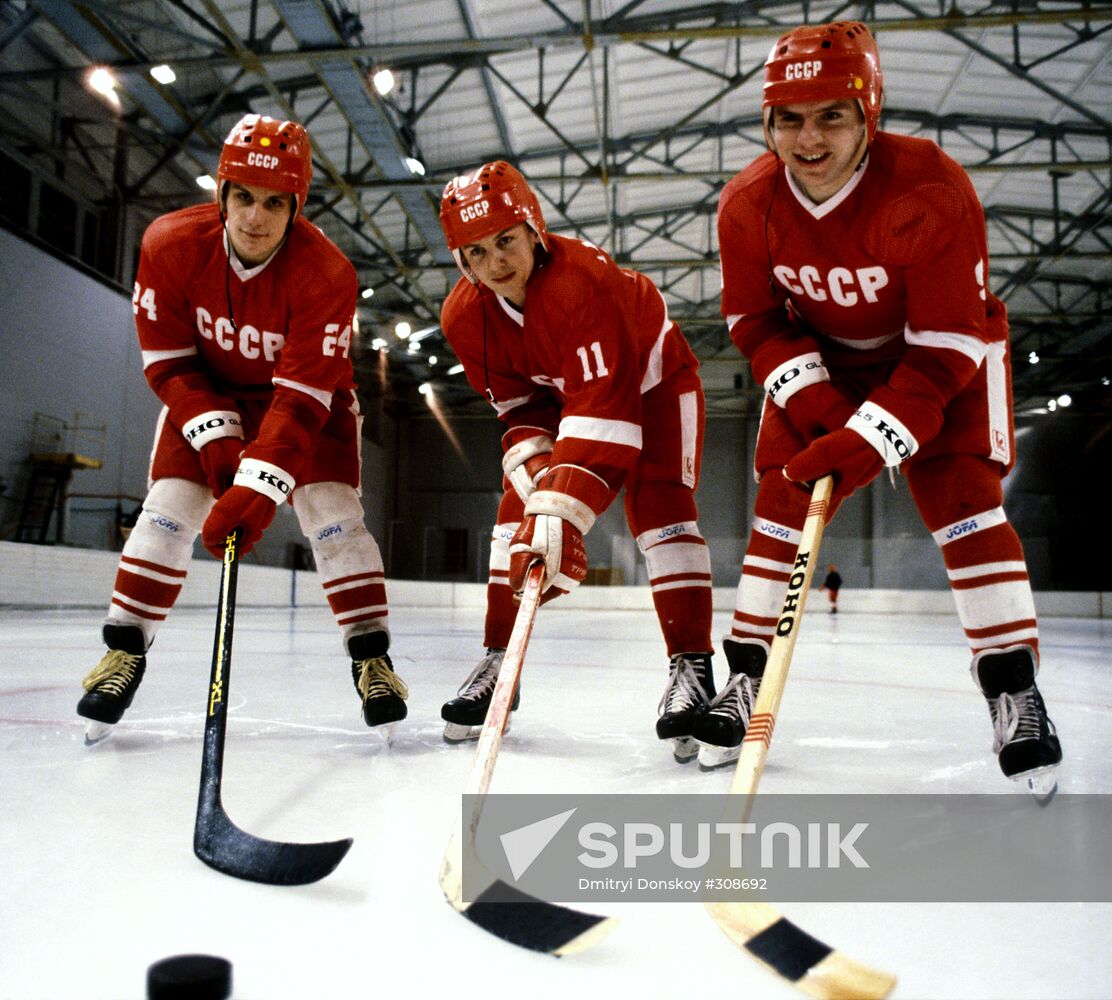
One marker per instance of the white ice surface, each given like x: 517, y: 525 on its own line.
x: 101, y: 879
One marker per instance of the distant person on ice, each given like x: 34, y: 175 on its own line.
x: 832, y: 583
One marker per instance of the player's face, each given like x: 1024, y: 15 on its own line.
x: 257, y: 220
x: 821, y: 143
x: 504, y: 261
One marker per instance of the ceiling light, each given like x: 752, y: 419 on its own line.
x: 425, y: 388
x: 1052, y: 405
x: 403, y: 330
x: 383, y: 81
x: 427, y: 331
x: 1104, y: 380
x: 163, y: 74
x: 414, y: 347
x: 1033, y: 358
x: 1065, y: 399
x: 455, y: 369
x: 433, y: 359
x: 103, y: 82
x: 415, y: 166
x: 378, y: 344
x: 206, y: 182
x: 367, y: 292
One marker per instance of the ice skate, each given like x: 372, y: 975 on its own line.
x: 689, y: 692
x: 464, y: 715
x: 112, y: 683
x: 721, y: 728
x: 383, y: 692
x: 1023, y: 737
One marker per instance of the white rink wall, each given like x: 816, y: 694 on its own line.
x: 47, y: 576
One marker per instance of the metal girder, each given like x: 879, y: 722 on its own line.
x: 313, y: 29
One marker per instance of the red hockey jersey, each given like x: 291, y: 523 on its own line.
x: 592, y: 339
x: 204, y: 327
x: 892, y: 268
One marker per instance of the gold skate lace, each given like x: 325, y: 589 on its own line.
x: 684, y: 690
x: 114, y: 673
x: 377, y: 679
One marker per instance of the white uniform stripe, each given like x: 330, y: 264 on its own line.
x: 600, y: 429
x: 151, y: 574
x: 969, y: 525
x: 322, y: 396
x: 668, y: 560
x: 779, y: 531
x: 153, y: 357
x: 654, y: 536
x: 972, y: 347
x: 999, y: 403
x: 760, y: 562
x: 502, y: 406
x: 689, y: 436
x: 154, y: 609
x: 987, y: 569
x: 681, y: 584
x: 349, y: 613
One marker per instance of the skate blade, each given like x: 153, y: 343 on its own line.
x: 386, y: 731
x: 97, y: 732
x: 1043, y: 783
x: 684, y: 749
x: 711, y: 757
x: 456, y: 733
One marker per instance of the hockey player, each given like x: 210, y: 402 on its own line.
x: 855, y: 281
x: 598, y: 389
x: 244, y: 312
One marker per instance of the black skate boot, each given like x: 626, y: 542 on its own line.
x: 112, y: 683
x: 689, y: 691
x: 383, y: 691
x: 721, y: 728
x: 464, y: 715
x: 1023, y: 737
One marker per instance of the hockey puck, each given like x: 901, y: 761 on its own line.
x: 190, y: 977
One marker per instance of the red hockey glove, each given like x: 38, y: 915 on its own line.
x: 528, y: 453
x: 844, y: 454
x: 819, y: 409
x: 559, y: 543
x: 251, y: 502
x: 803, y: 388
x: 220, y: 459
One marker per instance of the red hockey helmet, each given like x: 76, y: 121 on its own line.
x: 267, y: 153
x: 488, y: 200
x: 825, y: 62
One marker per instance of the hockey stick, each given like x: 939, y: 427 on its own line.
x: 524, y: 921
x: 813, y: 966
x: 217, y: 841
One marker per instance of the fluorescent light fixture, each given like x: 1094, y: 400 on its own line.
x: 455, y: 369
x: 383, y: 81
x: 421, y: 334
x: 163, y: 74
x: 403, y: 330
x: 367, y: 293
x: 206, y: 182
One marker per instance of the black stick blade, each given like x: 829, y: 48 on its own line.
x: 528, y: 922
x: 222, y: 845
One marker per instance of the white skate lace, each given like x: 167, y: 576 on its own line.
x: 684, y: 691
x: 114, y: 673
x: 737, y: 698
x: 480, y: 684
x: 376, y: 680
x: 1015, y: 717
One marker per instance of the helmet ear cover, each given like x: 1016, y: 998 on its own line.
x: 266, y: 153
x: 489, y: 200
x: 836, y: 61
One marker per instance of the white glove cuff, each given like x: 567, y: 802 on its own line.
x: 563, y: 506
x: 264, y: 478
x: 521, y: 452
x: 207, y: 427
x: 892, y: 440
x: 785, y: 381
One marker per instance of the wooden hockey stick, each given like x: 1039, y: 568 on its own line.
x: 524, y: 921
x: 217, y: 841
x: 813, y: 966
